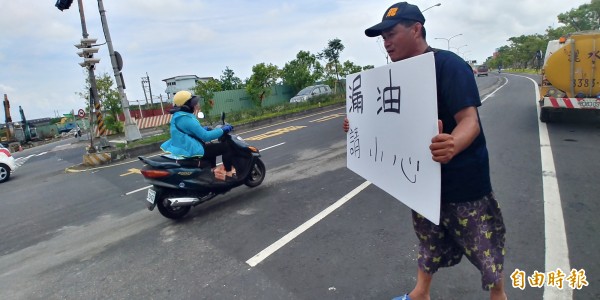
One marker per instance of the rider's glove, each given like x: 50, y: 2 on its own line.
x: 227, y: 128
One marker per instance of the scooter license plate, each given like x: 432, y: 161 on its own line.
x: 151, y: 195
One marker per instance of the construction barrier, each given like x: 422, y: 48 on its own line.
x: 96, y: 159
x: 100, y: 120
x: 142, y: 123
x: 153, y: 121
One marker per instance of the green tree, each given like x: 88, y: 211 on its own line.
x: 556, y: 33
x: 524, y: 48
x: 206, y: 91
x: 585, y: 17
x: 349, y: 67
x: 521, y: 51
x: 302, y: 71
x: 260, y: 82
x: 332, y: 55
x: 110, y: 102
x: 229, y: 81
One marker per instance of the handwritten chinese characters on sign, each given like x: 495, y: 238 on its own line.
x: 394, y: 108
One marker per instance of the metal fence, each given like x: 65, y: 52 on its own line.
x: 238, y: 100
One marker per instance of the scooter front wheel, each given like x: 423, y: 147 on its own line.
x: 168, y: 211
x: 257, y: 174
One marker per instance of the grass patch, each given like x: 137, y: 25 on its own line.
x: 522, y: 71
x: 150, y: 140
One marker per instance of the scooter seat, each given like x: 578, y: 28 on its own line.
x: 164, y: 162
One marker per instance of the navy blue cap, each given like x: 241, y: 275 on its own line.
x: 396, y: 13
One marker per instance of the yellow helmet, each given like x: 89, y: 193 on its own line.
x: 182, y: 97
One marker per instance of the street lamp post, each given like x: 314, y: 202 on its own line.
x: 431, y: 7
x: 458, y: 49
x: 448, y: 39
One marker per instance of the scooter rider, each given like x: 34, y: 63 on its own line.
x: 190, y: 140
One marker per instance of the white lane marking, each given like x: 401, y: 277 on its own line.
x: 41, y: 153
x: 492, y: 93
x: 138, y: 190
x: 262, y: 255
x: 557, y: 249
x: 272, y: 146
x: 147, y: 187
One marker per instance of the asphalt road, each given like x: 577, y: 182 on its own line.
x: 88, y: 235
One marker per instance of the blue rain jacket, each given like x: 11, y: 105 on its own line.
x: 184, y: 127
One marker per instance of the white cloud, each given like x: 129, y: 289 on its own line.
x: 40, y: 68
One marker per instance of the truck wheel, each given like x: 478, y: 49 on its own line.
x: 544, y: 115
x: 4, y: 173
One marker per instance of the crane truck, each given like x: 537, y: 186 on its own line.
x: 570, y: 76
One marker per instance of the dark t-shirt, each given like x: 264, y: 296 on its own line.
x: 467, y: 176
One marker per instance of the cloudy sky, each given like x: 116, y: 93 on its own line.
x: 39, y: 67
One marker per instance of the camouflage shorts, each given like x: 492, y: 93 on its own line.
x: 474, y: 229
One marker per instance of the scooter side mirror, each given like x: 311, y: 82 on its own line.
x: 223, y: 118
x: 200, y: 115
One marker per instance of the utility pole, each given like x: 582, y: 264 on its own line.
x: 161, y: 104
x: 132, y: 133
x: 146, y: 85
x: 7, y: 116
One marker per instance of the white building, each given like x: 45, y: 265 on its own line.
x: 182, y: 82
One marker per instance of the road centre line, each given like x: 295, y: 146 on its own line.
x: 557, y: 249
x: 262, y: 255
x: 147, y: 187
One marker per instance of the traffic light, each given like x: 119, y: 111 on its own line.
x: 63, y: 4
x: 87, y: 52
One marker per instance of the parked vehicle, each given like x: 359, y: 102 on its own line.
x: 482, y: 71
x: 178, y: 185
x: 7, y: 164
x: 569, y: 75
x: 310, y: 92
x: 67, y: 127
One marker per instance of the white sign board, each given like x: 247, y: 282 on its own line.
x: 392, y: 112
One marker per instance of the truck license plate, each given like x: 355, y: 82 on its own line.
x: 151, y: 195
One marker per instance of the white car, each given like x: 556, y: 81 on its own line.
x: 311, y: 91
x: 7, y: 164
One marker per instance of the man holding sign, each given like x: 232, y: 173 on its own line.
x: 470, y: 220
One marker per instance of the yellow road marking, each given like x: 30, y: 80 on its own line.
x: 327, y: 118
x: 132, y: 171
x: 273, y: 133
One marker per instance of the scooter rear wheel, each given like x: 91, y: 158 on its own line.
x: 257, y: 174
x: 165, y: 208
